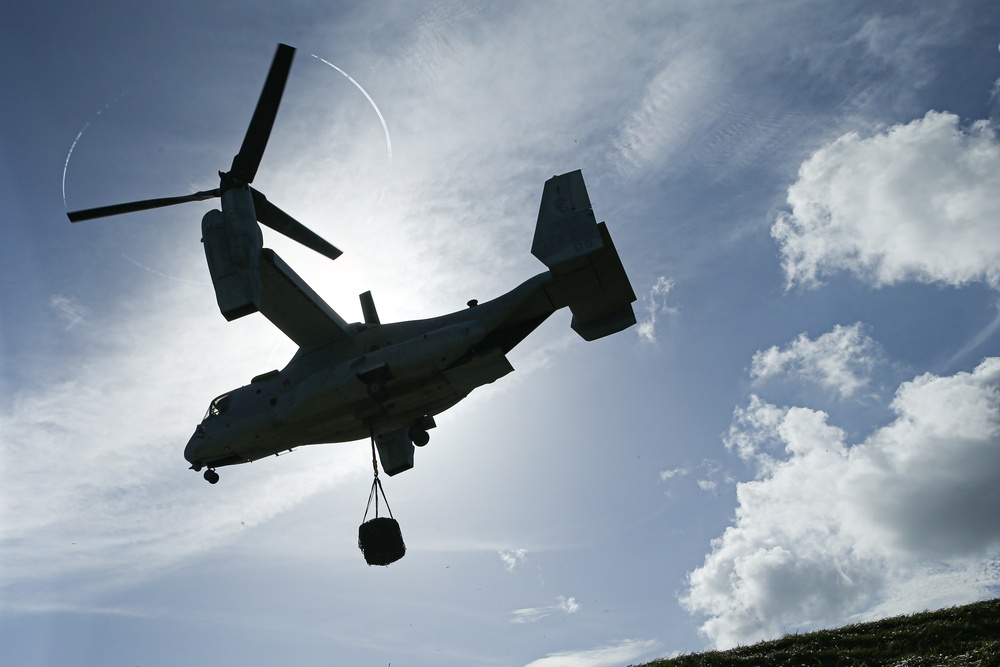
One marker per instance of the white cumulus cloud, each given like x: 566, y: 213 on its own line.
x: 917, y: 201
x: 840, y: 360
x: 673, y: 472
x: 512, y: 558
x: 902, y: 521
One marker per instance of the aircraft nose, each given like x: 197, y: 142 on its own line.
x: 191, y: 451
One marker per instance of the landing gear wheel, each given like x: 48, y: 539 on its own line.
x: 211, y: 476
x: 419, y: 436
x: 378, y: 391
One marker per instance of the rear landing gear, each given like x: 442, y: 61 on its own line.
x: 418, y: 430
x: 211, y: 476
x: 419, y: 436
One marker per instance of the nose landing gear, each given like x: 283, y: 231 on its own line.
x: 211, y: 476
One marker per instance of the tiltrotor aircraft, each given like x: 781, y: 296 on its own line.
x: 385, y: 381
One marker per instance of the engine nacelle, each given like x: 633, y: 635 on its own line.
x: 233, y: 243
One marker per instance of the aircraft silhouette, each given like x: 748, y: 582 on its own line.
x: 384, y: 381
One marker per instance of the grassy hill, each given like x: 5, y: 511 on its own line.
x: 966, y: 636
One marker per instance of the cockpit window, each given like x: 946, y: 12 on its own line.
x: 217, y: 407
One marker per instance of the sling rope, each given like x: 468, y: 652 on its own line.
x: 377, y: 483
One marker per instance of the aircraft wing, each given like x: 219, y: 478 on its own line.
x: 294, y: 307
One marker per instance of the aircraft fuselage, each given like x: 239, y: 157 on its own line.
x: 325, y: 395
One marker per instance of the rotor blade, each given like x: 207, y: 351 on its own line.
x: 248, y: 159
x: 281, y: 222
x: 144, y: 205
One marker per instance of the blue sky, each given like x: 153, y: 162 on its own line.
x: 802, y: 431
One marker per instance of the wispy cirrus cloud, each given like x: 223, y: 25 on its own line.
x: 563, y: 605
x: 670, y: 109
x: 616, y: 653
x: 68, y: 310
x: 104, y: 439
x: 656, y: 304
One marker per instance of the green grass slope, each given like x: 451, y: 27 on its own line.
x: 966, y: 636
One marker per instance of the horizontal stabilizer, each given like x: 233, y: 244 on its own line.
x: 607, y: 308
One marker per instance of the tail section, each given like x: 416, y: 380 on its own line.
x: 580, y: 254
x: 566, y: 230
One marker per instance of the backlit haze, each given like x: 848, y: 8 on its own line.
x: 802, y: 431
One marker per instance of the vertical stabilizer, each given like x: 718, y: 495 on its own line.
x: 589, y: 276
x: 566, y: 230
